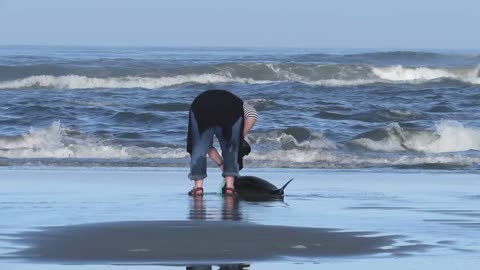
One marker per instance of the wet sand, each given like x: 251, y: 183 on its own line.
x: 179, y: 242
x: 339, y: 219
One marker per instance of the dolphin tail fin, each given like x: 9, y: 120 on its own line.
x: 280, y: 190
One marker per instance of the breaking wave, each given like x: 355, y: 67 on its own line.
x: 448, y: 136
x: 57, y: 142
x: 293, y: 147
x: 332, y: 160
x: 251, y: 73
x: 291, y: 138
x: 83, y: 82
x: 404, y: 74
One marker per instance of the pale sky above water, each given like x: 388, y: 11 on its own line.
x: 376, y: 24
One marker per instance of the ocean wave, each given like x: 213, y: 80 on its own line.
x: 394, y: 57
x: 332, y: 75
x: 422, y: 74
x: 291, y: 138
x: 138, y: 117
x: 293, y: 147
x: 167, y: 107
x: 56, y: 142
x: 262, y: 104
x: 448, y: 136
x: 83, y: 82
x: 404, y: 54
x: 296, y: 158
x: 377, y: 115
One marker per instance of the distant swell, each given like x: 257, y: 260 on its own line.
x: 395, y: 57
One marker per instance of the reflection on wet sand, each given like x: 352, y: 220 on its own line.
x: 197, y: 209
x: 230, y: 211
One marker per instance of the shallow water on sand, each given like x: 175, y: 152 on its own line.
x: 429, y: 215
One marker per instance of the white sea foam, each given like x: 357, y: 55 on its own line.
x: 379, y: 74
x: 54, y: 142
x: 336, y: 82
x: 288, y: 75
x: 448, y: 136
x: 452, y: 137
x: 83, y: 82
x: 297, y: 156
x: 285, y: 74
x: 421, y: 74
x: 318, y: 152
x: 326, y: 159
x: 282, y: 140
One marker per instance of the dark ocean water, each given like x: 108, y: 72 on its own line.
x: 114, y: 106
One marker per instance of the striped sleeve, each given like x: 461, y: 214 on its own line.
x: 249, y: 111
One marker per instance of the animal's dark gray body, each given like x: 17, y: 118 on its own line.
x: 255, y: 188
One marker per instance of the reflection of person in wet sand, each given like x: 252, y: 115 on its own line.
x: 197, y: 209
x: 230, y: 211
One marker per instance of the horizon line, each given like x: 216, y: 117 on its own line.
x: 243, y: 47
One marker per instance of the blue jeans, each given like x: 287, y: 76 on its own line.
x: 201, y: 142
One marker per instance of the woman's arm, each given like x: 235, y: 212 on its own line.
x: 248, y: 124
x: 215, y: 156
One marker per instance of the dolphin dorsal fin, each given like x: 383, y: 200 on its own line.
x: 280, y: 190
x: 286, y: 184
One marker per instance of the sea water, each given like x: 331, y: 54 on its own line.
x: 347, y: 109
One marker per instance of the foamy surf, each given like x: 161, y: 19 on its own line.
x: 84, y: 82
x: 291, y: 147
x: 55, y: 142
x: 447, y: 136
x: 296, y: 158
x: 315, y: 75
x: 421, y: 74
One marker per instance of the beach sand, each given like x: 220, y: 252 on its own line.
x: 70, y: 218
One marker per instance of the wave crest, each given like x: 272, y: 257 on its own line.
x: 421, y: 74
x: 84, y: 82
x: 296, y: 158
x: 291, y: 138
x: 56, y: 142
x: 255, y: 73
x: 448, y: 136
